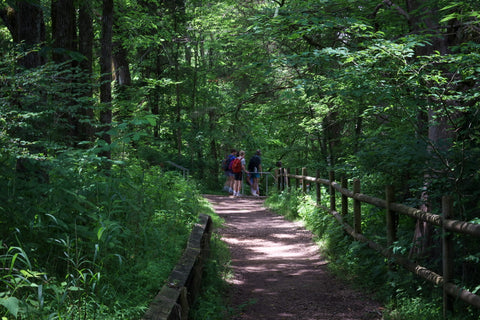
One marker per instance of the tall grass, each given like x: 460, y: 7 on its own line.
x: 90, y: 245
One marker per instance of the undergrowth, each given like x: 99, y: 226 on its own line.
x: 88, y: 245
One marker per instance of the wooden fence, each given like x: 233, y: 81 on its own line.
x: 175, y: 298
x: 449, y: 226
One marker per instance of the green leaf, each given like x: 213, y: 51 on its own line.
x: 12, y: 305
x: 100, y: 232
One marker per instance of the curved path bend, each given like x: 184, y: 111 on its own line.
x: 278, y: 272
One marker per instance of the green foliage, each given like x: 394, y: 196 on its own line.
x: 416, y: 308
x: 92, y: 244
x: 286, y: 203
x: 317, y: 84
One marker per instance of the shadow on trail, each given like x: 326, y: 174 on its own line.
x: 277, y: 265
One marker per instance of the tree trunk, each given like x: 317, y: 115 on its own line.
x: 331, y: 130
x: 421, y: 20
x: 122, y: 79
x: 121, y: 65
x: 63, y: 29
x: 86, y: 131
x: 26, y: 25
x: 64, y: 39
x: 106, y: 74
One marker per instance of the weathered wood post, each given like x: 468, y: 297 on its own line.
x: 390, y: 217
x: 357, y: 223
x: 447, y: 250
x: 344, y: 198
x: 304, y: 182
x: 297, y: 183
x: 287, y: 181
x: 331, y: 177
x: 317, y: 186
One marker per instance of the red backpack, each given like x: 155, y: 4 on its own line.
x: 237, y: 165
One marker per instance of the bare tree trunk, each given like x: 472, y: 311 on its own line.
x: 63, y: 29
x: 121, y: 65
x: 64, y: 38
x: 331, y: 130
x: 86, y: 129
x: 106, y: 74
x: 122, y: 78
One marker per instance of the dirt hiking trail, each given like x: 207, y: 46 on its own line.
x: 278, y: 272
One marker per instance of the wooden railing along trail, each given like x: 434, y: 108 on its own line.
x: 449, y: 226
x: 174, y: 299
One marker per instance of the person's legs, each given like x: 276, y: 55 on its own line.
x: 231, y: 182
x: 255, y: 184
x: 237, y: 188
x: 238, y: 184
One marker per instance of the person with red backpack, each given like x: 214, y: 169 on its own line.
x: 238, y: 168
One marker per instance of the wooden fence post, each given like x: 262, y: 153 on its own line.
x: 317, y: 186
x: 304, y: 182
x: 447, y: 251
x: 344, y: 198
x: 357, y: 211
x: 297, y: 183
x: 332, y: 190
x: 287, y: 181
x: 390, y: 216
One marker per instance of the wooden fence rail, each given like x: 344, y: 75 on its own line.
x: 450, y: 290
x: 174, y: 299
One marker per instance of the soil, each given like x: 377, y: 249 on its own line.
x: 278, y: 271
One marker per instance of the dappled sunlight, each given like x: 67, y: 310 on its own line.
x: 273, y: 258
x: 233, y: 211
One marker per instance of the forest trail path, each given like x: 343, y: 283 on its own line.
x: 278, y: 272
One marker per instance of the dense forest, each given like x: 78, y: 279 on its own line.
x: 98, y: 96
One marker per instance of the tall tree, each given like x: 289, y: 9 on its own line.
x: 63, y: 29
x: 26, y: 25
x: 106, y: 75
x: 85, y: 129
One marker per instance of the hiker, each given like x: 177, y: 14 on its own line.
x: 227, y: 167
x: 255, y: 169
x: 238, y: 168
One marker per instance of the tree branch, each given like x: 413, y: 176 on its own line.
x: 280, y: 3
x: 255, y: 95
x: 8, y: 16
x: 311, y: 42
x: 390, y: 4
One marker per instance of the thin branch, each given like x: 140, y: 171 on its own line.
x: 280, y: 3
x: 390, y: 4
x: 255, y: 95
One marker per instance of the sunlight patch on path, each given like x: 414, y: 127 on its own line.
x: 277, y: 265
